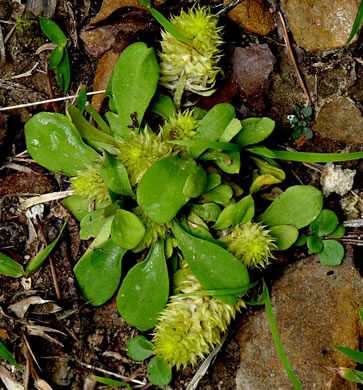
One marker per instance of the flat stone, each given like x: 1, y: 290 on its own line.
x: 320, y: 24
x: 315, y: 307
x: 254, y: 15
x: 252, y: 67
x: 341, y: 120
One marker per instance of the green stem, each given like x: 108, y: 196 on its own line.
x: 99, y: 120
x: 278, y: 343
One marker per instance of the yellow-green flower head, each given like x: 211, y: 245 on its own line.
x: 153, y: 231
x: 196, y: 66
x: 88, y: 184
x: 141, y: 151
x: 251, y: 243
x: 190, y: 326
x: 182, y: 125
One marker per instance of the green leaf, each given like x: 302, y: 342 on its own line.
x: 5, y: 354
x: 213, y: 180
x: 160, y: 191
x: 145, y: 290
x: 139, y: 348
x: 231, y: 164
x: 306, y: 156
x: 254, y: 130
x: 338, y: 232
x: 92, y: 223
x: 297, y: 134
x: 10, y: 267
x: 159, y: 372
x: 98, y: 272
x: 56, y: 56
x: 89, y: 132
x: 98, y: 119
x: 81, y: 99
x: 308, y: 133
x: 315, y: 244
x: 127, y: 230
x: 64, y: 72
x: 221, y: 194
x: 278, y: 343
x: 35, y: 263
x: 284, y: 235
x: 351, y: 375
x: 357, y: 22
x: 332, y: 253
x: 77, y: 206
x: 207, y: 211
x: 302, y: 240
x: 233, y: 128
x: 170, y: 27
x: 298, y: 205
x: 357, y: 356
x: 195, y: 183
x: 360, y: 311
x: 146, y: 3
x: 163, y: 106
x: 307, y: 111
x: 115, y: 176
x: 52, y: 31
x: 261, y: 181
x: 134, y: 82
x: 262, y: 151
x: 110, y: 382
x: 115, y: 123
x: 238, y: 213
x: 265, y: 168
x: 325, y: 223
x: 212, y: 265
x: 206, y: 144
x: 54, y: 143
x: 213, y: 125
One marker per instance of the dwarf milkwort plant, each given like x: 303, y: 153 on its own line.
x: 161, y: 190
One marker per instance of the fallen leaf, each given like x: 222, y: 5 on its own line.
x: 9, y: 382
x: 21, y: 307
x: 42, y: 385
x: 36, y: 330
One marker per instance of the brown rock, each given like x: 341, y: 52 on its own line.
x: 252, y: 67
x: 320, y: 24
x: 340, y: 119
x: 315, y: 307
x: 254, y: 16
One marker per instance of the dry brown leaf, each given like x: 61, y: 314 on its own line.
x: 3, y: 334
x: 102, y: 77
x: 21, y: 307
x: 46, y: 46
x: 41, y: 384
x: 9, y: 382
x: 36, y: 330
x: 110, y: 6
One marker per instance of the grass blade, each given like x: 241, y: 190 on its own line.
x: 5, y: 354
x: 278, y: 343
x: 357, y: 22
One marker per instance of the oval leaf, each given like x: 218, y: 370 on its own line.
x: 338, y: 232
x: 213, y: 266
x: 298, y: 205
x: 284, y: 235
x: 221, y: 194
x: 145, y: 290
x: 332, y: 253
x: 115, y: 176
x: 254, y: 130
x: 159, y: 372
x: 163, y: 106
x: 325, y: 224
x: 139, y: 348
x: 134, y: 83
x: 195, y: 183
x: 315, y: 244
x: 54, y: 143
x: 98, y: 273
x: 64, y: 72
x: 207, y: 211
x: 52, y: 31
x: 56, y: 56
x: 10, y: 267
x: 127, y: 230
x: 160, y: 191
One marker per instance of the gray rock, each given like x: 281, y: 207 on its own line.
x: 320, y: 24
x: 340, y: 119
x: 315, y: 307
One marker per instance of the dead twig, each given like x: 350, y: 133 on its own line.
x: 45, y: 198
x: 25, y: 74
x: 48, y: 101
x: 292, y: 57
x: 2, y: 47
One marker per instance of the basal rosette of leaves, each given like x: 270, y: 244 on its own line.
x: 164, y: 190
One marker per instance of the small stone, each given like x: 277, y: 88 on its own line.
x: 340, y: 119
x: 253, y: 15
x: 315, y: 307
x: 335, y: 179
x: 320, y: 24
x: 252, y: 67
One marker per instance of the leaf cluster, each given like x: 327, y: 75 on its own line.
x: 300, y: 121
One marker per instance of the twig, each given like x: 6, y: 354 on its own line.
x: 292, y: 57
x: 52, y: 268
x: 25, y: 74
x: 2, y: 47
x: 229, y: 7
x: 123, y: 378
x: 45, y: 198
x: 48, y: 101
x: 353, y: 222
